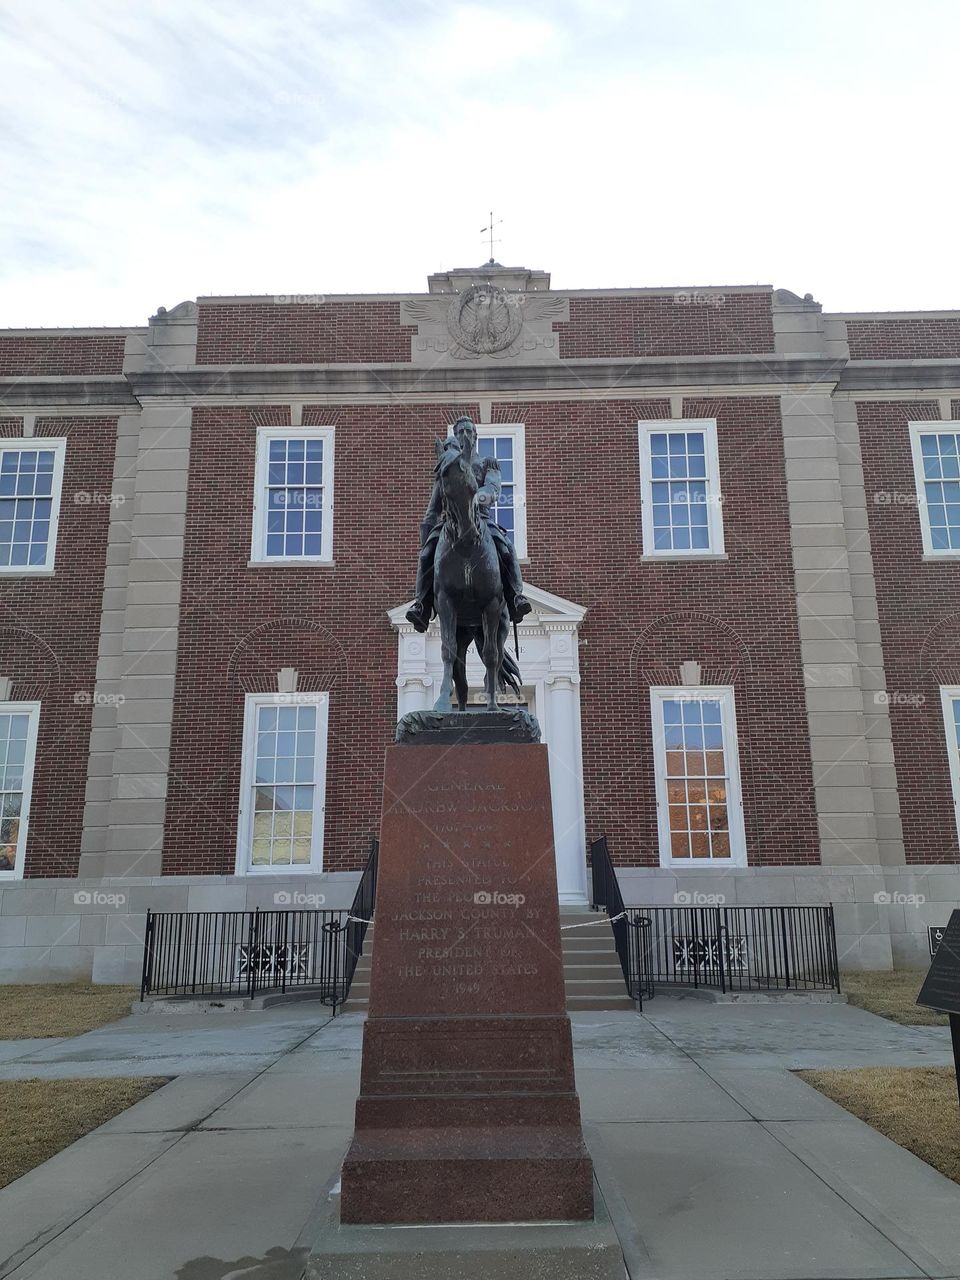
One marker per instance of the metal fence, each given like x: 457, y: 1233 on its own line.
x: 762, y: 948
x: 246, y: 953
x: 629, y: 931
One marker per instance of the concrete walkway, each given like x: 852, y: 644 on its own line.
x: 713, y: 1160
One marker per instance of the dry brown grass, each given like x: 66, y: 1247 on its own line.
x: 38, y: 1118
x: 60, y: 1009
x: 891, y: 994
x: 914, y: 1106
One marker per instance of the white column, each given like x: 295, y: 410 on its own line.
x: 414, y: 693
x: 566, y: 784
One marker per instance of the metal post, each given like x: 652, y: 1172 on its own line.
x: 252, y: 934
x: 146, y: 974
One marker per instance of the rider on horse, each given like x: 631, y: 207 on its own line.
x: 487, y: 471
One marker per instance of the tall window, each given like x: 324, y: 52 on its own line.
x: 506, y: 443
x: 950, y: 698
x: 700, y: 818
x: 30, y: 479
x: 283, y: 783
x: 680, y: 488
x: 18, y: 744
x: 936, y: 464
x: 293, y: 505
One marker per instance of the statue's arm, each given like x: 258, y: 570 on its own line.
x: 488, y: 495
x: 433, y: 512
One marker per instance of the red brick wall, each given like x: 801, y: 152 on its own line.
x: 302, y: 333
x: 239, y: 626
x: 737, y: 617
x: 728, y: 324
x: 919, y: 609
x: 49, y: 636
x: 55, y: 355
x: 898, y: 339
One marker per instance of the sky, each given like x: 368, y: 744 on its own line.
x: 156, y: 152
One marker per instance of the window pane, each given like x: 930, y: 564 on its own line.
x: 14, y: 728
x: 941, y: 488
x: 285, y: 748
x: 24, y: 522
x: 693, y: 762
x: 680, y: 491
x: 501, y: 448
x: 294, y: 497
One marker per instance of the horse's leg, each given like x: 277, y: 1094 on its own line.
x: 447, y: 613
x: 491, y: 649
x: 464, y: 638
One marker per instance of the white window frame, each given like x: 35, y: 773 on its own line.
x: 31, y: 444
x: 258, y: 550
x: 674, y: 426
x: 252, y: 703
x: 948, y: 694
x: 731, y: 755
x: 31, y: 709
x: 934, y: 427
x: 517, y: 432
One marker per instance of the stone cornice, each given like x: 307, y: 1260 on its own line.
x: 102, y: 391
x: 283, y: 381
x: 754, y: 375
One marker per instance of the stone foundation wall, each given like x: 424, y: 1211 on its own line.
x: 68, y: 930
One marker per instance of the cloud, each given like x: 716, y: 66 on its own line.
x: 154, y: 155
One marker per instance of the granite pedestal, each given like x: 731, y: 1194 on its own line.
x: 468, y: 1110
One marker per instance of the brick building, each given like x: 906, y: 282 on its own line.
x: 738, y: 520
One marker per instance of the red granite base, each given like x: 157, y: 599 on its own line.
x: 468, y: 1110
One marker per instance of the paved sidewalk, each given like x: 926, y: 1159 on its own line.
x: 714, y: 1161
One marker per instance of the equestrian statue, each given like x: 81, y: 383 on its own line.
x: 468, y: 571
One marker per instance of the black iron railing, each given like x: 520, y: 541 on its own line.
x: 629, y: 929
x: 763, y: 948
x: 248, y: 953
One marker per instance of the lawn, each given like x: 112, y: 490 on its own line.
x: 914, y: 1106
x: 60, y: 1009
x: 38, y: 1118
x: 891, y: 994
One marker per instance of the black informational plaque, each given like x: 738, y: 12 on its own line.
x: 941, y: 986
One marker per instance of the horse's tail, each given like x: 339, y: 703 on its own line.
x: 509, y: 673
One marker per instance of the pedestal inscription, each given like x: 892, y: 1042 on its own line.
x: 467, y: 1109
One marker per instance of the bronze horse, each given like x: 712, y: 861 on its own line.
x: 468, y: 590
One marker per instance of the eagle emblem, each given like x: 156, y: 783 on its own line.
x: 485, y: 320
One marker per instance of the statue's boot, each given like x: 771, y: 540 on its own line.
x: 419, y: 616
x: 521, y: 607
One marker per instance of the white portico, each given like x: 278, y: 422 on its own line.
x: 550, y: 666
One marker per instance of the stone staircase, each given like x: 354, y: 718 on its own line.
x: 591, y: 971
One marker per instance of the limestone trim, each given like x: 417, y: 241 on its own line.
x: 123, y: 828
